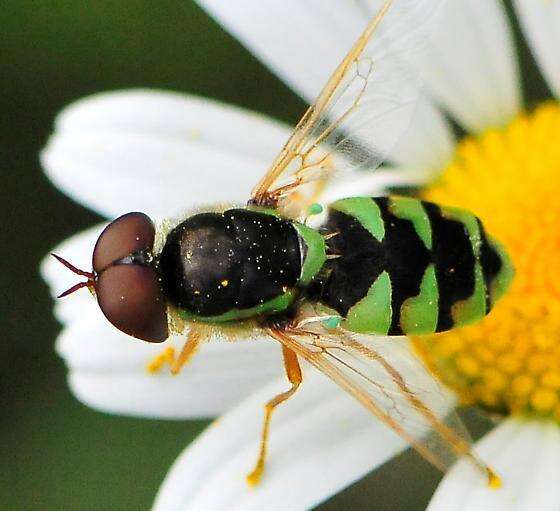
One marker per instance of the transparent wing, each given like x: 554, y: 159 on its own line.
x: 385, y: 376
x: 363, y: 109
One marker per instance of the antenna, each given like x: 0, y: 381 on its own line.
x: 89, y: 283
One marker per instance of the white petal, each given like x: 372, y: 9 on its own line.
x: 540, y: 20
x: 321, y: 441
x: 472, y: 68
x: 107, y: 371
x: 279, y: 33
x: 158, y: 152
x: 357, y: 184
x: 525, y: 454
x: 428, y: 143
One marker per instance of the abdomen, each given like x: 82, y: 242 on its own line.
x: 409, y: 267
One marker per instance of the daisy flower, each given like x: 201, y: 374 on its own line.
x: 160, y: 152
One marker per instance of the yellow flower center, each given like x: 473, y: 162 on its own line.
x: 509, y: 362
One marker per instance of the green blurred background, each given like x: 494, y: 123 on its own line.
x: 55, y: 453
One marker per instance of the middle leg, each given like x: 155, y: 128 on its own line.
x: 293, y: 372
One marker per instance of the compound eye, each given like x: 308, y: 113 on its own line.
x: 130, y: 297
x: 126, y: 234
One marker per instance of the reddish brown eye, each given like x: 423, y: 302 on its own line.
x: 126, y: 234
x: 130, y: 297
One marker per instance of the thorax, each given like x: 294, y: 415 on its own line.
x: 241, y: 263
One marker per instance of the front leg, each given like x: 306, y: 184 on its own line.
x: 176, y: 363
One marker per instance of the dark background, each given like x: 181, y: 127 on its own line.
x: 54, y: 452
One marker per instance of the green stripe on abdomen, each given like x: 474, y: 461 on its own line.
x: 474, y: 307
x: 501, y: 282
x: 366, y: 211
x: 419, y: 314
x: 373, y: 313
x: 413, y: 210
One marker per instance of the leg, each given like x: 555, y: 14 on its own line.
x: 176, y: 363
x: 166, y: 356
x: 189, y: 349
x: 293, y: 372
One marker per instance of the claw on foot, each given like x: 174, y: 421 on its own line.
x: 494, y: 480
x: 254, y: 478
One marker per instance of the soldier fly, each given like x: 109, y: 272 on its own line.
x: 384, y: 266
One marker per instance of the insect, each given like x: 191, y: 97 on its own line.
x: 375, y: 266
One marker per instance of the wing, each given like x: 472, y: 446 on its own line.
x: 362, y: 111
x: 390, y: 381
